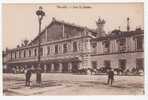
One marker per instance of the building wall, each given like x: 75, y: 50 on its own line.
x: 114, y: 59
x: 85, y: 52
x: 82, y: 47
x: 54, y: 32
x: 113, y: 48
x: 89, y: 48
x: 130, y: 54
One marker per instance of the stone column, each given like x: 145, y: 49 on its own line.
x: 60, y: 67
x: 45, y: 68
x: 69, y: 67
x: 46, y: 32
x: 52, y: 67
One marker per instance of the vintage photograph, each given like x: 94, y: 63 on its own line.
x: 73, y: 49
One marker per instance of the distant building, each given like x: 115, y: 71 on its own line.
x: 68, y: 47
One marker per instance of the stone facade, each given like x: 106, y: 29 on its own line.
x: 67, y: 48
x: 119, y: 49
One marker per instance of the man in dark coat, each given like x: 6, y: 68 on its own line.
x: 28, y: 76
x: 110, y: 76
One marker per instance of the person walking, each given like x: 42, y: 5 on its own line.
x: 110, y: 76
x: 28, y: 74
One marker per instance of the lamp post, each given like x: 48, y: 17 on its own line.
x: 40, y: 15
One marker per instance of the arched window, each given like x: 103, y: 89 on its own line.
x: 48, y: 50
x: 64, y: 48
x: 75, y: 49
x: 29, y: 53
x: 19, y: 54
x: 15, y: 54
x: 106, y: 45
x: 122, y: 45
x: 56, y: 49
x: 139, y: 42
x: 41, y: 51
x: 24, y: 53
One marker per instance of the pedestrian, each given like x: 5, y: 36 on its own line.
x: 28, y: 74
x: 110, y: 76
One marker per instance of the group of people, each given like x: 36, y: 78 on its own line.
x: 28, y: 74
x: 110, y: 76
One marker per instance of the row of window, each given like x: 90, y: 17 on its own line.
x: 121, y: 45
x: 106, y: 48
x: 65, y: 48
x: 56, y: 50
x: 122, y: 64
x: 19, y: 53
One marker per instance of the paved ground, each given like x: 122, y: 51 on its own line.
x: 68, y: 84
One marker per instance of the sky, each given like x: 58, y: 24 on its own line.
x: 20, y: 21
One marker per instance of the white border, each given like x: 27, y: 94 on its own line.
x: 83, y: 1
x: 1, y: 83
x: 146, y: 45
x: 68, y: 1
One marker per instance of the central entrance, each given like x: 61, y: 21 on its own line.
x: 75, y: 67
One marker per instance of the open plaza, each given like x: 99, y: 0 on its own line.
x: 72, y: 84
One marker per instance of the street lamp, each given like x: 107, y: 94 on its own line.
x: 40, y: 15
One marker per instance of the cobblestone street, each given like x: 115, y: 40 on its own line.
x: 68, y: 84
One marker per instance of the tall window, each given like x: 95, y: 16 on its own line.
x: 139, y: 43
x: 75, y: 49
x: 56, y: 49
x: 24, y: 53
x: 139, y: 64
x: 94, y: 45
x: 15, y: 54
x: 48, y: 50
x: 29, y: 53
x: 11, y: 55
x: 106, y: 46
x: 35, y: 52
x: 19, y: 54
x: 41, y: 51
x: 65, y: 48
x: 122, y: 45
x: 94, y: 64
x: 107, y: 64
x: 122, y: 64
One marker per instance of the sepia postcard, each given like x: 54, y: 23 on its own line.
x: 73, y: 49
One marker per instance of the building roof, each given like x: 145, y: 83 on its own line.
x: 82, y: 28
x: 119, y: 34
